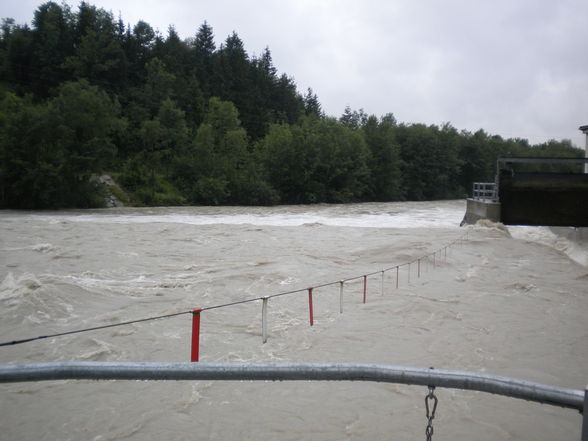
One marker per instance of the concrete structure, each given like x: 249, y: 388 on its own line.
x: 528, y: 192
x: 584, y: 130
x: 480, y: 209
x: 548, y: 199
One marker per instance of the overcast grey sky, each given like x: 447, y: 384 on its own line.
x: 516, y: 68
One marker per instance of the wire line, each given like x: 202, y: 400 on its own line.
x: 95, y: 328
x: 224, y: 305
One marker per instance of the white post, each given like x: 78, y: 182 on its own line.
x: 409, y: 272
x: 264, y: 320
x: 584, y: 130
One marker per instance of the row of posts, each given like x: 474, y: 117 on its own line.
x: 196, y: 313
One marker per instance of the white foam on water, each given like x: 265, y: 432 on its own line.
x: 389, y: 215
x: 26, y: 299
x: 576, y: 251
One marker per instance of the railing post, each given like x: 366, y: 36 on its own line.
x: 484, y: 191
x: 408, y: 272
x: 341, y: 283
x: 310, y: 306
x: 195, y: 335
x: 364, y: 287
x: 585, y: 417
x: 264, y: 320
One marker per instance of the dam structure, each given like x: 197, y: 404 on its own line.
x: 533, y: 191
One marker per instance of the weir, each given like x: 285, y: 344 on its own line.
x: 528, y: 191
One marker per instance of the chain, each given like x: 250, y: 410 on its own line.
x: 431, y: 407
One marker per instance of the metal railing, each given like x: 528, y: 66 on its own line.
x: 510, y: 387
x: 484, y: 191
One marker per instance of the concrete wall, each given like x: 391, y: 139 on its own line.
x: 577, y: 235
x: 477, y: 210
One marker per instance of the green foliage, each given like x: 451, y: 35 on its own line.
x: 218, y: 168
x: 312, y: 105
x: 30, y: 171
x: 49, y: 151
x: 317, y: 161
x: 210, y: 190
x: 430, y: 161
x: 144, y: 186
x: 99, y: 56
x: 386, y: 182
x: 185, y: 122
x: 52, y: 42
x: 121, y: 195
x: 282, y: 155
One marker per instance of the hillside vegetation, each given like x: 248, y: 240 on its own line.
x: 187, y: 122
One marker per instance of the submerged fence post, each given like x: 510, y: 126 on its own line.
x: 264, y: 320
x: 397, y: 270
x: 195, y: 335
x: 341, y: 283
x: 310, y: 306
x: 382, y: 282
x: 418, y: 268
x: 585, y: 417
x: 408, y: 272
x: 364, y: 287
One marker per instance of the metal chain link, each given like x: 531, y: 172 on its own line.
x: 431, y: 398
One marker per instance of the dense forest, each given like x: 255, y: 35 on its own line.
x: 186, y: 122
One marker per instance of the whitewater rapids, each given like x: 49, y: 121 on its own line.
x: 507, y: 301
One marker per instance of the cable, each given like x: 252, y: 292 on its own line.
x: 224, y: 305
x: 17, y: 342
x: 240, y: 302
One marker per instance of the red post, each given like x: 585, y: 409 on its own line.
x: 195, y: 334
x: 364, y: 287
x: 310, y: 306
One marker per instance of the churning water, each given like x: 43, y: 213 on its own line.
x: 507, y: 302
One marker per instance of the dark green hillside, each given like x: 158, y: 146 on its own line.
x: 199, y: 122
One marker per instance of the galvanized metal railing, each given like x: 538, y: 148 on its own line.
x: 541, y: 393
x: 484, y: 191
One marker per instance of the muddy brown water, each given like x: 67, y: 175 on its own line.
x: 503, y: 302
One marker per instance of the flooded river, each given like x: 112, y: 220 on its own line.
x: 508, y: 302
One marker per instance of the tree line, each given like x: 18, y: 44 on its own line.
x: 186, y: 122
